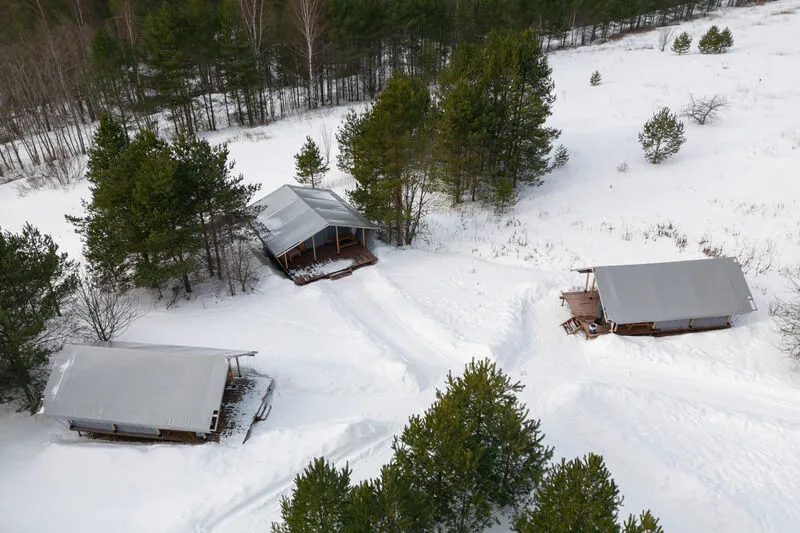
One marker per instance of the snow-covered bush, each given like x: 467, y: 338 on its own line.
x: 623, y: 167
x: 662, y: 136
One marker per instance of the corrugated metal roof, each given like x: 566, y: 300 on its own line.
x: 291, y: 215
x: 673, y: 291
x: 157, y: 386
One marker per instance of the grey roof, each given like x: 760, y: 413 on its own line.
x: 673, y: 291
x: 291, y: 215
x: 157, y: 386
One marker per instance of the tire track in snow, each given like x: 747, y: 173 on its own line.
x: 392, y: 319
x: 250, y: 504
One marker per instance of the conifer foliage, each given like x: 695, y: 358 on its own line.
x: 474, y: 451
x: 662, y: 136
x: 309, y: 165
x: 595, y: 79
x: 473, y: 455
x: 682, y: 43
x: 319, y: 501
x: 36, y: 282
x: 715, y: 41
x: 159, y: 211
x: 577, y: 495
x: 494, y: 99
x: 386, y: 150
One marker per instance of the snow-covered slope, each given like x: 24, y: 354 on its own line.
x: 703, y: 429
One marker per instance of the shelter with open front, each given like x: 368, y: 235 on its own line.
x: 658, y: 298
x: 139, y: 390
x: 313, y: 233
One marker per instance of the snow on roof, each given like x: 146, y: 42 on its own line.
x: 158, y: 386
x: 292, y: 215
x: 677, y: 290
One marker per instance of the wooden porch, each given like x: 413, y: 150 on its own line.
x: 326, y: 261
x: 583, y: 305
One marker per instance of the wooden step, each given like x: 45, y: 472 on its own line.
x: 572, y: 325
x: 341, y: 274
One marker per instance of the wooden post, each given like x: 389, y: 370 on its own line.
x: 238, y: 368
x: 313, y: 249
x: 338, y: 251
x: 586, y: 287
x: 364, y: 238
x: 592, y: 291
x: 691, y: 323
x: 286, y: 260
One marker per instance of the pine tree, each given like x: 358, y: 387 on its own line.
x: 595, y: 79
x: 35, y: 282
x: 662, y: 136
x: 494, y: 100
x: 474, y: 451
x: 388, y: 504
x: 387, y: 151
x: 578, y: 495
x: 645, y: 523
x: 309, y: 165
x: 682, y: 43
x: 319, y: 502
x: 715, y: 42
x: 725, y: 40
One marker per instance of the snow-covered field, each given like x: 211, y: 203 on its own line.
x: 704, y: 429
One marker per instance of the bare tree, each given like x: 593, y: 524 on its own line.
x: 664, y: 36
x: 787, y: 316
x: 706, y: 109
x: 326, y: 135
x: 307, y: 18
x: 103, y: 312
x: 252, y: 12
x: 239, y: 264
x: 55, y: 173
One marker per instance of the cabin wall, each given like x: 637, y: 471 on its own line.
x: 108, y: 427
x: 712, y: 322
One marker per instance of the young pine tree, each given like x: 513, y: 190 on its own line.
x: 595, y: 79
x: 682, y: 43
x: 309, y: 165
x: 662, y: 136
x: 725, y: 39
x: 578, y: 495
x: 715, y: 42
x: 474, y: 451
x: 319, y: 501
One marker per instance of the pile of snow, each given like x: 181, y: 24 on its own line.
x: 703, y: 429
x: 323, y: 268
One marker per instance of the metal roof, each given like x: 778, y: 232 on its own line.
x: 673, y: 291
x: 291, y: 215
x: 157, y: 386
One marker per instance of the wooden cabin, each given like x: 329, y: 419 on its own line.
x: 143, y: 391
x: 658, y: 298
x: 314, y: 234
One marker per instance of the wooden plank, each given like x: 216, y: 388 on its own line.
x: 314, y: 248
x: 338, y: 250
x: 364, y: 238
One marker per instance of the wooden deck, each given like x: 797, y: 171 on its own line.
x: 583, y: 305
x: 304, y: 269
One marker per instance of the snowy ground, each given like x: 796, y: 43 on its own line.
x: 703, y: 429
